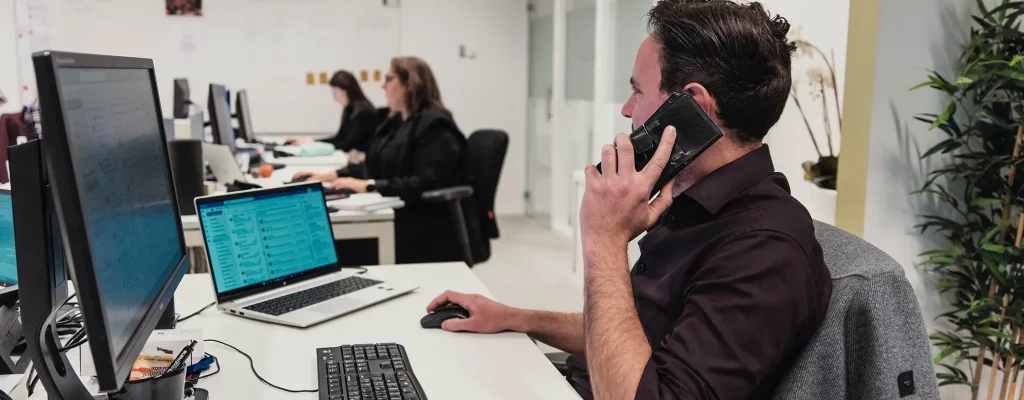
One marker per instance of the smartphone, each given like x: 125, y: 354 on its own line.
x: 695, y: 132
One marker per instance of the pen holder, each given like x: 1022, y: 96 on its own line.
x: 169, y: 386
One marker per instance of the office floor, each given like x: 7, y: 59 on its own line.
x: 530, y: 267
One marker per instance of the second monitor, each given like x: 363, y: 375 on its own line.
x: 220, y: 116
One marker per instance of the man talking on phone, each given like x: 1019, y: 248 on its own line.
x: 731, y: 283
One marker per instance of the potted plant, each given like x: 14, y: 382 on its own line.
x: 821, y: 87
x: 980, y: 267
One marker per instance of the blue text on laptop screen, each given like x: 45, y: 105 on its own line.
x: 8, y: 262
x: 269, y: 236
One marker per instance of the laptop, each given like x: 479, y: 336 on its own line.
x: 223, y: 163
x: 272, y: 258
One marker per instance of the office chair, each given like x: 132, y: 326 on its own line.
x: 485, y: 155
x: 873, y: 335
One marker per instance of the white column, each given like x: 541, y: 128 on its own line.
x: 604, y: 65
x: 560, y: 173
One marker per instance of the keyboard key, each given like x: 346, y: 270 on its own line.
x: 285, y: 304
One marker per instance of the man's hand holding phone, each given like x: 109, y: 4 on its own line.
x: 616, y: 206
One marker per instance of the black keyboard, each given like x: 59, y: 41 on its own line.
x: 311, y: 296
x: 366, y: 372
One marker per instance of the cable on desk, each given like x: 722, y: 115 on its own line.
x: 252, y: 365
x: 180, y: 319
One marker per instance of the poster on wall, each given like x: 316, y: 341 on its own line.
x: 191, y: 8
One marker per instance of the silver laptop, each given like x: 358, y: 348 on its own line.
x: 223, y: 163
x: 272, y: 257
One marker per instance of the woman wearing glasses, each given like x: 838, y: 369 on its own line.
x: 418, y: 148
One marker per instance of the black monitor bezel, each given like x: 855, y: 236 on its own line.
x: 182, y: 98
x: 281, y: 282
x: 219, y: 136
x: 112, y: 369
x: 244, y: 115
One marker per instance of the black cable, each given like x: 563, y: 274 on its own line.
x: 31, y: 382
x: 252, y: 366
x: 180, y: 319
x: 215, y: 362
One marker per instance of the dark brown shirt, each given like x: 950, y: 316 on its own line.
x: 729, y: 287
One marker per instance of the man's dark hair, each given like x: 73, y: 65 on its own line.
x: 738, y: 52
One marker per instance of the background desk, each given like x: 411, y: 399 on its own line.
x: 448, y: 365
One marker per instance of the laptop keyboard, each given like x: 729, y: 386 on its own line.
x: 311, y: 296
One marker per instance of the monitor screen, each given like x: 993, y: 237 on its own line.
x: 220, y: 117
x: 244, y: 117
x: 8, y: 261
x: 181, y: 98
x: 265, y: 238
x: 120, y: 167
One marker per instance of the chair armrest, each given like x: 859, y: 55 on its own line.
x: 448, y: 194
x: 558, y: 360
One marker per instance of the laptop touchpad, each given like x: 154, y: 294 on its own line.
x: 337, y: 305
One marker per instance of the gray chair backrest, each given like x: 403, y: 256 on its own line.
x: 873, y: 343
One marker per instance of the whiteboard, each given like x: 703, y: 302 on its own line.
x: 264, y: 46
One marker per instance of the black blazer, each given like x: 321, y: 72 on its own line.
x: 407, y: 158
x: 425, y: 152
x: 355, y: 132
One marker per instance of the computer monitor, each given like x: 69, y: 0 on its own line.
x: 220, y: 116
x: 8, y: 254
x: 181, y: 98
x: 244, y: 117
x: 110, y: 178
x: 39, y: 246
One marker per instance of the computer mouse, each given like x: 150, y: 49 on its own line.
x: 444, y: 313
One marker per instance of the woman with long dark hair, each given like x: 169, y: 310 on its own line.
x: 418, y: 148
x: 358, y: 118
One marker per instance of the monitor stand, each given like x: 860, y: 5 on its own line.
x: 55, y: 372
x: 62, y: 383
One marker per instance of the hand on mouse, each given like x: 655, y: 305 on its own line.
x: 485, y: 315
x: 313, y: 176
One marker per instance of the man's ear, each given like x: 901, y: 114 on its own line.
x: 701, y: 95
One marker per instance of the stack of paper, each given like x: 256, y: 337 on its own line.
x: 367, y: 202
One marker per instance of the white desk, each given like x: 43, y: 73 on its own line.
x: 338, y: 159
x: 448, y: 365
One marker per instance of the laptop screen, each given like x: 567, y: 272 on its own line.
x: 8, y: 261
x: 266, y: 237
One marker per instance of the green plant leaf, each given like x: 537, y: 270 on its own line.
x: 948, y: 112
x: 981, y: 202
x: 987, y: 239
x: 964, y: 81
x: 943, y: 354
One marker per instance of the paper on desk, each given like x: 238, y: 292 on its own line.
x: 366, y: 202
x: 162, y: 344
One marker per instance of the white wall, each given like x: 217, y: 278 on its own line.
x: 9, y: 58
x: 914, y: 36
x: 823, y: 23
x: 267, y: 47
x: 486, y: 92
